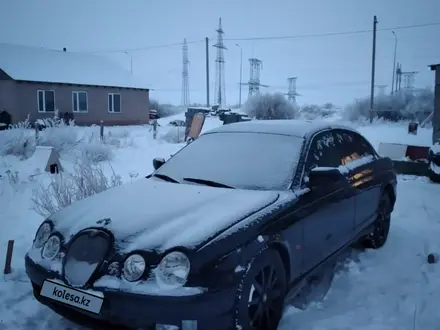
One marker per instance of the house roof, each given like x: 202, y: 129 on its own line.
x: 434, y: 66
x: 42, y: 65
x: 293, y: 127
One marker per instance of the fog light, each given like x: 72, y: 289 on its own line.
x: 189, y: 325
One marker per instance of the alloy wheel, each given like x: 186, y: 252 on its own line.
x: 265, y: 300
x: 382, y: 227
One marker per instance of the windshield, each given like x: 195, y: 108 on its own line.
x: 241, y: 160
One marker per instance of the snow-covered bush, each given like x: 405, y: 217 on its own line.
x: 96, y: 152
x: 270, y: 106
x: 18, y: 140
x: 119, y: 138
x: 173, y: 134
x: 61, y: 137
x: 21, y: 140
x: 404, y: 105
x: 314, y: 111
x: 92, y: 150
x: 165, y: 110
x: 64, y: 188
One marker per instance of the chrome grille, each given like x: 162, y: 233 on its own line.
x: 85, y: 254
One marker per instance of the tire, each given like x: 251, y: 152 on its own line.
x: 261, y: 293
x: 378, y: 237
x: 434, y: 177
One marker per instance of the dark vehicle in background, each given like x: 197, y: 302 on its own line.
x: 252, y: 211
x: 434, y: 162
x: 177, y: 123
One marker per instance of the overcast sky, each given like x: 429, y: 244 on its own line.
x: 329, y: 68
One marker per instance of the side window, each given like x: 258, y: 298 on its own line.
x: 324, y: 151
x: 355, y: 146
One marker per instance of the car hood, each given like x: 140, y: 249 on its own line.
x: 156, y: 215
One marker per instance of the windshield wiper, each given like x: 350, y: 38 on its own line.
x: 165, y: 177
x: 208, y: 183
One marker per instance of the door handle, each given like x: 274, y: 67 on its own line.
x: 328, y: 237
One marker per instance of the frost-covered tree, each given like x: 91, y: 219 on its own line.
x: 314, y: 111
x: 269, y: 106
x: 165, y: 110
x: 404, y: 105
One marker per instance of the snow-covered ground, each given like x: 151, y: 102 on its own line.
x: 392, y: 288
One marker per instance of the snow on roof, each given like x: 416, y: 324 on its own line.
x: 299, y: 128
x: 43, y: 65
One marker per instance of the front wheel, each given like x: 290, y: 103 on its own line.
x: 433, y: 176
x: 260, y: 299
x: 378, y: 237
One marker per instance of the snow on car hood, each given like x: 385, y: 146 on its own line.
x: 155, y: 215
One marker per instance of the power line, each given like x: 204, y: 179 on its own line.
x: 299, y: 36
x: 143, y: 48
x: 329, y: 34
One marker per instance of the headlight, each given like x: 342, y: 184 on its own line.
x: 134, y: 267
x: 42, y: 235
x: 173, y: 270
x: 51, y: 248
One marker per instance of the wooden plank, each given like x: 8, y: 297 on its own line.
x: 8, y: 260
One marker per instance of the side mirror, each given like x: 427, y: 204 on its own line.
x: 158, y: 162
x: 322, y: 176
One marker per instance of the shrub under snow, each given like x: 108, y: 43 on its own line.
x: 173, y: 134
x: 64, y: 188
x: 270, y: 106
x: 20, y: 140
x: 313, y: 111
x: 165, y: 110
x: 95, y: 151
x: 404, y: 105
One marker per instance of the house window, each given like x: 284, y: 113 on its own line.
x: 114, y: 102
x: 80, y: 102
x: 46, y: 101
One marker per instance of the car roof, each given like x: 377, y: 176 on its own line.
x: 291, y: 127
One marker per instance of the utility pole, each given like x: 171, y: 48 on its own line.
x: 373, y: 68
x: 394, y: 62
x: 241, y: 74
x: 207, y: 71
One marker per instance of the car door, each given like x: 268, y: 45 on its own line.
x: 327, y: 211
x: 363, y: 177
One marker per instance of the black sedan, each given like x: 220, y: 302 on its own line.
x: 220, y: 235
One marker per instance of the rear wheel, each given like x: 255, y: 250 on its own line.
x: 378, y: 237
x: 260, y: 301
x: 434, y: 177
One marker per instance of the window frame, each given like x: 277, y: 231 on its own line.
x: 362, y: 141
x: 44, y: 100
x: 311, y: 145
x: 76, y: 94
x: 111, y: 105
x: 299, y: 181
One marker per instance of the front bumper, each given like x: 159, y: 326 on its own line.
x: 125, y: 310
